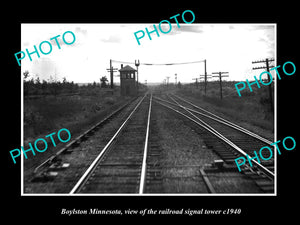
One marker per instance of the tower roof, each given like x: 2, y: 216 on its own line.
x: 127, y: 68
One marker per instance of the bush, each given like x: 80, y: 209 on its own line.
x: 109, y: 100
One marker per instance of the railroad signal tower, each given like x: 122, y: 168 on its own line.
x: 267, y: 67
x: 127, y: 81
x: 220, y: 77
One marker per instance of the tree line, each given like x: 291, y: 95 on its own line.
x: 52, y: 86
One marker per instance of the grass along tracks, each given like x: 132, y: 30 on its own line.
x: 118, y: 167
x: 78, y: 156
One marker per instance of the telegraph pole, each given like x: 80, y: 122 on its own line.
x: 175, y: 79
x: 111, y: 70
x: 168, y: 80
x: 268, y: 69
x: 220, y: 77
x: 205, y: 76
x: 196, y: 81
x: 137, y: 63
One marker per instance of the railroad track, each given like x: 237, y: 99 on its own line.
x: 110, y: 146
x: 79, y: 139
x: 227, y: 139
x: 126, y: 157
x: 121, y: 166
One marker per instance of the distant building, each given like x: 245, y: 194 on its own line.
x: 127, y: 81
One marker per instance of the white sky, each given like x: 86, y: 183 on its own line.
x: 226, y: 47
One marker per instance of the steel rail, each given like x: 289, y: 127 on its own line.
x: 95, y: 163
x: 144, y: 164
x: 50, y: 159
x: 224, y: 139
x: 225, y: 121
x: 219, y: 119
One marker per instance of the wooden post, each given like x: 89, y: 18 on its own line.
x: 205, y: 76
x: 220, y: 77
x: 270, y: 86
x: 111, y: 75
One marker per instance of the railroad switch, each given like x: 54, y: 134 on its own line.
x: 219, y: 163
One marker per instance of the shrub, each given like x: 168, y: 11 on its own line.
x: 109, y: 100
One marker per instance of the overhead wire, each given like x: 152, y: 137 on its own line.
x: 159, y: 64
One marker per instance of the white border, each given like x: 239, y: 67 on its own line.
x: 220, y: 194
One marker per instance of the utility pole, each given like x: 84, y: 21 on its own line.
x: 196, y: 81
x: 268, y: 69
x: 205, y: 77
x: 111, y: 70
x: 168, y: 80
x: 220, y: 77
x: 164, y: 82
x: 137, y: 63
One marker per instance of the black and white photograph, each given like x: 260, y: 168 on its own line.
x: 180, y: 114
